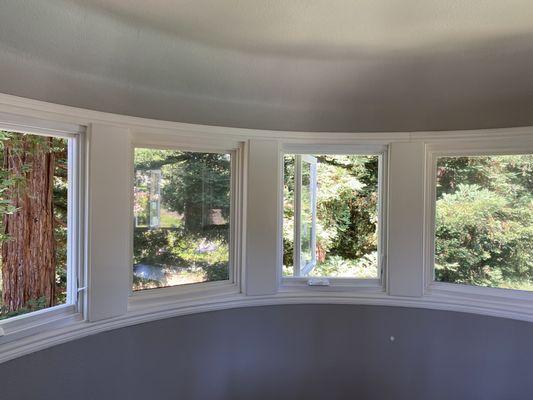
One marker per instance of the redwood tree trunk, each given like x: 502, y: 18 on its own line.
x: 28, y: 257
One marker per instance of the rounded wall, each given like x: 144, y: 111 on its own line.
x: 287, y: 352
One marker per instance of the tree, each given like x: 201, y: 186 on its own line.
x: 484, y: 234
x: 346, y: 207
x: 194, y: 184
x: 195, y: 200
x: 28, y: 253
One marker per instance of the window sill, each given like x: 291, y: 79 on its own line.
x: 36, y: 322
x: 160, y: 304
x: 169, y: 297
x: 506, y: 303
x: 300, y: 284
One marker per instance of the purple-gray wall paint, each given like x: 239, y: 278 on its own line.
x: 288, y: 352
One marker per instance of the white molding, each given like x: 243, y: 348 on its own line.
x: 484, y: 135
x: 148, y: 306
x: 504, y: 146
x: 354, y: 147
x: 405, y: 224
x: 73, y: 115
x: 25, y: 124
x: 289, y: 283
x: 262, y: 216
x: 61, y: 113
x: 141, y: 313
x: 17, y: 327
x: 236, y: 149
x: 357, y: 148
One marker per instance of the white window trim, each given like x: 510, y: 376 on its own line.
x: 108, y: 267
x: 506, y: 300
x: 299, y: 160
x: 289, y: 283
x: 15, y: 328
x: 233, y: 284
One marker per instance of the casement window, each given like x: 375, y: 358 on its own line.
x: 481, y: 218
x: 41, y: 222
x: 182, y: 217
x: 333, y: 215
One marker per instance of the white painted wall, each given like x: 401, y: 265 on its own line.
x: 109, y: 244
x: 406, y: 219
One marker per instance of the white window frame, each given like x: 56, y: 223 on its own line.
x: 518, y: 299
x: 297, y: 248
x: 21, y: 326
x: 199, y: 290
x: 106, y: 301
x: 289, y: 283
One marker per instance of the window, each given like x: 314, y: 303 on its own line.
x: 37, y: 226
x: 331, y: 204
x: 181, y: 217
x: 484, y: 220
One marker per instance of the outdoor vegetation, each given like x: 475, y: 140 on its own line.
x: 181, y: 210
x: 33, y: 222
x: 484, y: 214
x: 346, y: 216
x: 484, y: 221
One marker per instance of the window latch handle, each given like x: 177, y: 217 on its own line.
x: 318, y: 282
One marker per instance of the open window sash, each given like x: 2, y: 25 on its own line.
x: 305, y: 190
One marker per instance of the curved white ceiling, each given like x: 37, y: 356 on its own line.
x: 344, y: 65
x: 319, y: 28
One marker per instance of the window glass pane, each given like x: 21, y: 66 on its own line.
x: 33, y: 222
x: 484, y: 221
x: 307, y: 214
x: 345, y: 242
x: 182, y: 218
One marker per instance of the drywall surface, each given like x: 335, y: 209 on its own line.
x: 330, y: 66
x: 288, y: 352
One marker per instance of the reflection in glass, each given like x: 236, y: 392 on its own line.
x: 181, y: 216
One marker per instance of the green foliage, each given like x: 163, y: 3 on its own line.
x: 346, y: 215
x: 347, y: 204
x: 175, y: 251
x: 484, y: 231
x: 176, y: 247
x: 192, y: 243
x: 31, y: 306
x: 337, y: 266
x: 21, y: 145
x: 192, y: 183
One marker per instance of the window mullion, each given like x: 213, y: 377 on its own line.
x: 297, y: 247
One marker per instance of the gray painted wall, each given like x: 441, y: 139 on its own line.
x: 288, y: 352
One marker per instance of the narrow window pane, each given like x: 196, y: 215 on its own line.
x: 484, y: 221
x: 333, y: 200
x: 305, y: 215
x: 33, y: 222
x: 181, y: 218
